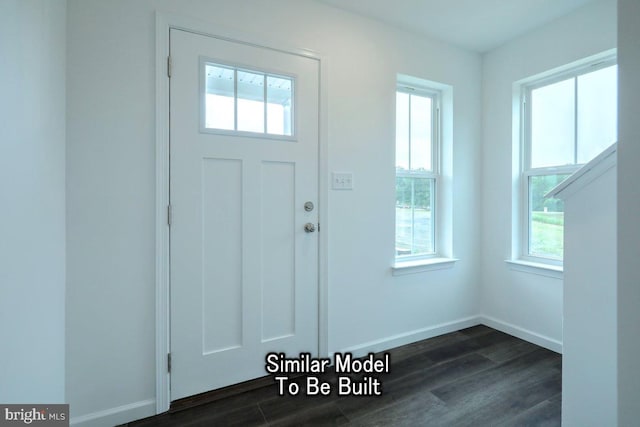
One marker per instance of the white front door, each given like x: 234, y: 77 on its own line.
x: 243, y: 165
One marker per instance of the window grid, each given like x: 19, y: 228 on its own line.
x: 529, y: 172
x: 430, y: 175
x: 261, y: 121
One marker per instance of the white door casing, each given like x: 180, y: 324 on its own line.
x: 244, y: 273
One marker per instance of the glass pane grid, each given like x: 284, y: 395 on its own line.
x: 553, y: 124
x: 219, y: 99
x: 402, y: 131
x: 415, y: 216
x: 247, y: 101
x: 546, y: 217
x: 420, y: 133
x: 279, y: 105
x: 250, y: 102
x: 573, y: 120
x: 569, y: 123
x: 414, y: 132
x: 415, y: 179
x: 597, y: 115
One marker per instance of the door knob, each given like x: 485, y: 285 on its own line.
x: 309, y: 227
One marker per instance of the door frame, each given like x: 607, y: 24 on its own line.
x: 164, y: 23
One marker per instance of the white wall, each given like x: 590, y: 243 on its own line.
x: 110, y: 199
x: 628, y: 213
x: 589, y: 357
x: 32, y: 190
x: 526, y: 304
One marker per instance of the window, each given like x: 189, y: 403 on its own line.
x: 417, y: 168
x: 238, y: 100
x: 568, y: 120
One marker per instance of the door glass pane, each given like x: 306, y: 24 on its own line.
x: 414, y: 216
x: 248, y: 101
x: 597, y: 112
x: 251, y: 105
x: 219, y: 97
x: 402, y: 131
x: 420, y: 133
x: 546, y: 217
x: 553, y: 124
x: 279, y: 105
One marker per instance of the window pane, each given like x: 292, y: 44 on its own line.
x: 597, y: 112
x: 279, y: 105
x: 402, y: 131
x: 219, y: 96
x: 414, y: 216
x: 553, y: 124
x: 251, y: 102
x: 546, y: 217
x: 420, y: 133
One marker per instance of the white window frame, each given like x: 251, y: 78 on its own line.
x: 433, y: 174
x: 442, y: 171
x: 525, y: 169
x: 264, y: 135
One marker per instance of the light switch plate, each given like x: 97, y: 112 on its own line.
x: 342, y: 180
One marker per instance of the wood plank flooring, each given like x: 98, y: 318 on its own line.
x: 474, y: 377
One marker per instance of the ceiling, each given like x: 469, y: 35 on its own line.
x: 477, y: 25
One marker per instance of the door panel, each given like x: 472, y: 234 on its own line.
x: 278, y: 267
x: 244, y: 273
x: 221, y: 250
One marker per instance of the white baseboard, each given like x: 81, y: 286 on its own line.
x: 445, y: 328
x: 409, y: 337
x: 516, y: 331
x: 118, y: 415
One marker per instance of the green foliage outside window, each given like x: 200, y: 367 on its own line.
x: 416, y: 190
x: 546, y: 217
x: 541, y: 185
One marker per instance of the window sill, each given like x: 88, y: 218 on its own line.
x: 418, y: 266
x: 541, y: 269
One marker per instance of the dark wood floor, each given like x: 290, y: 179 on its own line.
x: 474, y: 377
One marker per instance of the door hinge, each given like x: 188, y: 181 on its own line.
x: 169, y: 66
x: 318, y: 227
x: 169, y: 362
x: 169, y: 215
